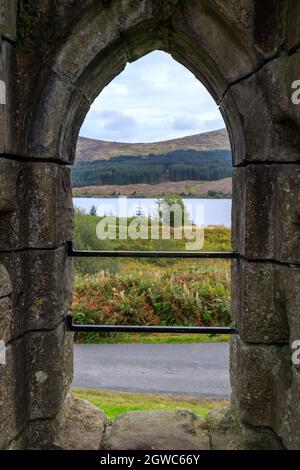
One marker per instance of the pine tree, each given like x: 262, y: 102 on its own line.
x: 93, y: 210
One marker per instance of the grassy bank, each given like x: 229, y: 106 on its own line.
x: 187, y: 189
x: 145, y: 338
x: 116, y: 403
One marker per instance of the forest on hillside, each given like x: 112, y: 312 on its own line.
x: 178, y: 165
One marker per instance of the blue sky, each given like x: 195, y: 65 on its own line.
x: 153, y: 99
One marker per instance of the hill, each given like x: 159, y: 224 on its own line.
x: 178, y: 165
x: 191, y: 166
x: 91, y: 149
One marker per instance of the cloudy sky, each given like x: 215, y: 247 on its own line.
x: 153, y: 99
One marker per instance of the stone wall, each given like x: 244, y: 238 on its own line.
x: 35, y: 274
x: 55, y: 59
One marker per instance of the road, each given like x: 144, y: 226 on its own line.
x: 183, y: 369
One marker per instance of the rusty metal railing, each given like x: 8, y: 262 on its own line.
x: 148, y: 329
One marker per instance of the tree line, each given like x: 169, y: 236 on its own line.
x: 178, y: 165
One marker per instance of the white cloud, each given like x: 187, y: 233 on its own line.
x: 153, y: 99
x: 184, y: 123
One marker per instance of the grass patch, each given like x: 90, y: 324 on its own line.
x: 155, y: 338
x: 115, y: 403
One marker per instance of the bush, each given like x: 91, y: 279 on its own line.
x: 193, y: 295
x: 85, y: 238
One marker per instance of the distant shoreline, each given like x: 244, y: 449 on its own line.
x: 143, y: 196
x: 220, y: 189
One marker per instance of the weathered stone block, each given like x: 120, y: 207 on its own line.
x: 48, y: 205
x: 223, y: 430
x: 144, y: 39
x: 37, y: 435
x: 259, y: 301
x: 289, y: 423
x: 293, y: 25
x: 49, y: 371
x: 5, y: 305
x: 260, y: 25
x: 271, y: 125
x: 239, y: 14
x: 261, y: 376
x: 13, y: 398
x: 36, y: 207
x: 277, y: 78
x: 8, y: 16
x: 228, y: 433
x: 266, y: 212
x: 216, y: 46
x: 127, y: 15
x: 259, y: 438
x: 47, y: 132
x: 5, y: 282
x: 245, y: 103
x: 89, y: 38
x: 81, y: 426
x: 5, y: 319
x: 8, y: 187
x: 42, y: 288
x: 156, y: 430
x: 269, y: 26
x: 48, y: 300
x: 289, y: 280
x: 113, y: 63
x: 78, y: 426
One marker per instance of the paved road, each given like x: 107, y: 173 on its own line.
x: 184, y: 369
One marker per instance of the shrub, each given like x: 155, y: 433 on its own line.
x: 195, y: 295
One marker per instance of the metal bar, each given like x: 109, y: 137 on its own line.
x: 147, y: 329
x: 149, y: 254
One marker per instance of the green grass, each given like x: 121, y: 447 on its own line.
x: 156, y: 338
x: 116, y: 403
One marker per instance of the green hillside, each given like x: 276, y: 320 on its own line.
x: 179, y: 165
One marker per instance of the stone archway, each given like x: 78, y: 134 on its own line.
x: 54, y: 61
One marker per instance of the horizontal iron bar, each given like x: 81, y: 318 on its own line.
x: 147, y: 329
x: 149, y: 254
